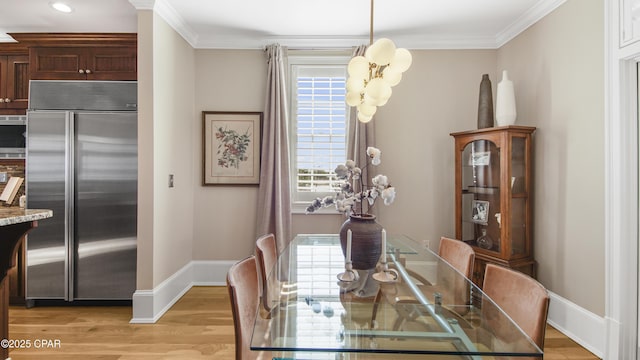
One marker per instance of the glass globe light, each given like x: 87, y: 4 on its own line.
x: 381, y: 52
x: 369, y: 100
x: 391, y: 76
x: 363, y: 118
x: 376, y: 87
x: 358, y: 67
x: 383, y: 102
x: 367, y: 110
x: 355, y: 84
x: 402, y: 60
x: 353, y: 98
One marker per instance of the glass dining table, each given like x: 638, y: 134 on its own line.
x: 413, y: 305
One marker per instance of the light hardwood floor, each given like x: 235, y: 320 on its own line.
x: 198, y: 326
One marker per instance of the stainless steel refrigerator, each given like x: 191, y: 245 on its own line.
x: 82, y: 163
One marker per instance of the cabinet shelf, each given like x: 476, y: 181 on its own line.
x: 488, y: 190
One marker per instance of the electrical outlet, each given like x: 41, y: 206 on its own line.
x: 170, y: 180
x: 425, y: 243
x: 3, y: 177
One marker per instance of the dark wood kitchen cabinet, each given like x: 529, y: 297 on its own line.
x: 14, y: 84
x: 80, y: 56
x: 83, y: 63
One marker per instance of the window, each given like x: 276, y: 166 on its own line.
x: 319, y: 117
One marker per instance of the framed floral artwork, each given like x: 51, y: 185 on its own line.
x: 231, y: 143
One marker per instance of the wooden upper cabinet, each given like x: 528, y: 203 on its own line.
x: 14, y: 82
x: 83, y: 63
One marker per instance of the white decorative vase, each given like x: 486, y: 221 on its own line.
x: 505, y: 102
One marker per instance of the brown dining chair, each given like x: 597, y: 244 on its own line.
x: 267, y: 256
x: 523, y: 298
x: 460, y: 256
x: 242, y: 283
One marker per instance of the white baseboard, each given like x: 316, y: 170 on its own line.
x: 210, y: 273
x: 150, y: 305
x: 580, y: 325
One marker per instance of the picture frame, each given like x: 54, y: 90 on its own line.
x: 231, y: 146
x: 480, y: 211
x: 480, y: 158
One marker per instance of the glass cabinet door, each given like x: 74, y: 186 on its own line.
x: 480, y: 170
x: 519, y: 198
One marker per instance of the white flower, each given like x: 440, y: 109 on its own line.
x: 356, y: 173
x: 388, y: 194
x: 380, y: 181
x: 355, y: 195
x: 374, y: 154
x: 341, y: 171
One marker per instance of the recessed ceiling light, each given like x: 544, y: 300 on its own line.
x: 60, y: 6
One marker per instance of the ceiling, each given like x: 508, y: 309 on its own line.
x: 247, y: 24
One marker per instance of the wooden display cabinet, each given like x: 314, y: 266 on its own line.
x: 493, y: 196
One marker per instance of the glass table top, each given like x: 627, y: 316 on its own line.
x: 431, y: 309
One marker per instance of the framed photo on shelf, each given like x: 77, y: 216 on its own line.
x: 480, y: 158
x: 480, y: 211
x: 231, y: 143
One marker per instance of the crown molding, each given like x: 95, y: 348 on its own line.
x: 171, y: 16
x: 142, y: 4
x: 417, y: 42
x: 537, y: 12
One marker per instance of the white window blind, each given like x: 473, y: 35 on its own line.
x: 319, y: 123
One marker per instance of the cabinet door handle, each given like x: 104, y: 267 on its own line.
x: 88, y: 71
x: 81, y: 71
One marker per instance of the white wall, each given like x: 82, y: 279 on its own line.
x: 145, y: 150
x: 166, y: 92
x: 224, y: 215
x: 437, y: 96
x: 173, y: 79
x: 557, y: 67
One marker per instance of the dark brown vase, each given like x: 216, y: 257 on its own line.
x: 485, y: 103
x: 366, y: 240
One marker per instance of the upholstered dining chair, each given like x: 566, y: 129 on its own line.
x: 267, y: 256
x: 456, y: 253
x: 523, y: 298
x: 242, y: 283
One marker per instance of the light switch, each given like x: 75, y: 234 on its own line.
x: 3, y: 177
x: 170, y: 180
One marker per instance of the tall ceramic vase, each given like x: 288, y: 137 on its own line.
x: 505, y: 102
x: 366, y: 240
x: 485, y: 103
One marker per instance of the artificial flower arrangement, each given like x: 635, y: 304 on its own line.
x: 354, y: 192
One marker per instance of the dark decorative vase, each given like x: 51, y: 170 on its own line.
x: 366, y: 240
x: 485, y: 103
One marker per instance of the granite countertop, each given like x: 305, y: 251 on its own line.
x: 15, y: 215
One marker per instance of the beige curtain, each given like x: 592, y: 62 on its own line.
x: 361, y: 135
x: 274, y: 200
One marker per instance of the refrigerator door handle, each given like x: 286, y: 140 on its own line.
x: 69, y: 208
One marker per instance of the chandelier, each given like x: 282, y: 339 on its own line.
x: 372, y: 76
